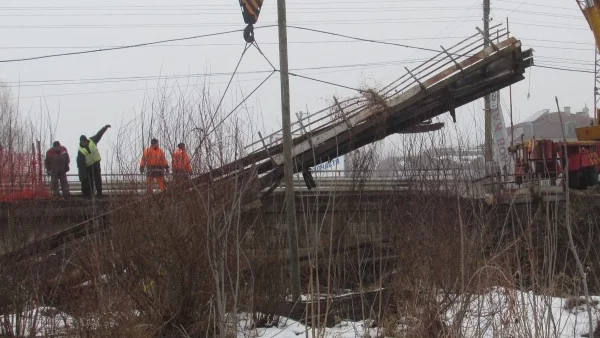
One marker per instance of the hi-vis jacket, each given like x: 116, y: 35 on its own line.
x: 181, y: 161
x: 90, y: 153
x: 87, y: 156
x: 154, y: 160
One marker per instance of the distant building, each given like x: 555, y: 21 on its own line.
x: 546, y: 125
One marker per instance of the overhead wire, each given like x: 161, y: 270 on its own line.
x: 363, y: 39
x: 289, y: 42
x: 101, y: 50
x: 215, y: 34
x: 163, y: 7
x: 205, y: 24
x: 34, y: 83
x: 574, y: 70
x: 258, y: 48
x: 173, y: 11
x: 325, y: 82
x: 545, y: 5
x: 538, y: 65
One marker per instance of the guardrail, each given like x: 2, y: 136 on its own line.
x: 382, y: 180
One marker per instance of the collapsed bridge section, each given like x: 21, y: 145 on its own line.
x: 455, y: 76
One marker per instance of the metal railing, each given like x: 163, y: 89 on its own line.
x: 327, y: 180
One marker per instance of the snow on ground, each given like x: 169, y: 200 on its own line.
x: 499, y: 312
x: 509, y: 313
x: 38, y: 322
x: 288, y: 328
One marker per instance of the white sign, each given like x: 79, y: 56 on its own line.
x: 335, y: 165
x: 500, y: 136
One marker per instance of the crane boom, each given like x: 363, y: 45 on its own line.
x: 591, y: 11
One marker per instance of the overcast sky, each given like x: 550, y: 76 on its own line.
x: 88, y: 99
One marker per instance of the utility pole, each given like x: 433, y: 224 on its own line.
x: 288, y: 166
x: 488, y: 149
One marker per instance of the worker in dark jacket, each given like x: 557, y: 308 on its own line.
x: 57, y: 165
x: 88, y: 163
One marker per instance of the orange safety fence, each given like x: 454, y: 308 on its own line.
x: 20, y: 177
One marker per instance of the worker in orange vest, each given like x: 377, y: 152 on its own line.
x: 182, y: 166
x: 155, y: 165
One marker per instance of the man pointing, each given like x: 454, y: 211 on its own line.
x: 88, y: 163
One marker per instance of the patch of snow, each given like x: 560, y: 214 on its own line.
x: 288, y: 328
x: 38, y: 322
x: 509, y: 313
x: 499, y: 312
x: 323, y: 296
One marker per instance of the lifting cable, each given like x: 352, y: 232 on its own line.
x: 250, y: 12
x: 212, y: 125
x: 255, y: 44
x: 207, y: 134
x: 246, y: 47
x: 216, y: 111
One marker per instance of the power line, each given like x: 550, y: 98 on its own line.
x: 210, y: 35
x: 591, y: 48
x: 388, y: 63
x: 304, y: 10
x: 524, y: 39
x: 249, y: 80
x: 177, y: 86
x: 574, y: 70
x: 36, y: 83
x: 325, y: 82
x: 194, y: 12
x: 124, y: 47
x: 231, y: 24
x: 126, y: 90
x: 364, y: 39
x: 225, y: 44
x: 162, y: 7
x: 536, y: 5
x: 543, y: 24
x: 373, y: 21
x: 219, y: 6
x: 538, y: 13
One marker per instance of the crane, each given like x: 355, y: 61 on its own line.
x: 591, y: 12
x: 250, y: 12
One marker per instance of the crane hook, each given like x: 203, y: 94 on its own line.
x: 249, y: 33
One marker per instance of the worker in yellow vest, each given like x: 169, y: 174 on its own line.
x: 88, y: 163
